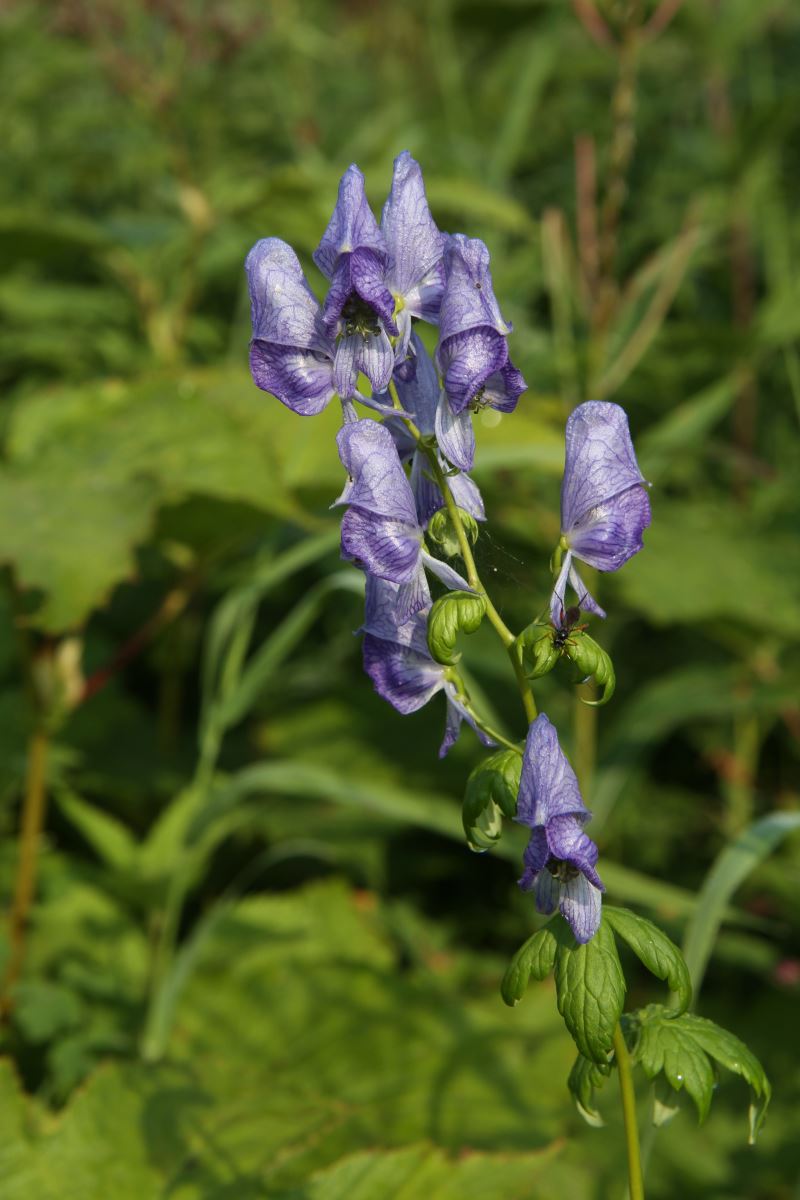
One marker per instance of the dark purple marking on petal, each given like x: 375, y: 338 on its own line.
x: 301, y: 379
x: 382, y: 546
x: 534, y: 857
x: 467, y: 360
x: 607, y: 535
x: 412, y: 239
x: 570, y: 844
x: 455, y: 434
x: 420, y: 395
x: 401, y: 675
x: 600, y: 461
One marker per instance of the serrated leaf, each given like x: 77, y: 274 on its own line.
x: 590, y: 988
x: 457, y: 612
x: 654, y: 949
x: 536, y: 957
x: 584, y: 1080
x: 682, y: 1048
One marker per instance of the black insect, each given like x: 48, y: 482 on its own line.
x: 567, y: 624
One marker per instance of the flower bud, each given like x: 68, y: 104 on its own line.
x: 457, y: 612
x: 491, y: 794
x: 440, y: 530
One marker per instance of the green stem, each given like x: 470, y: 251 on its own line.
x: 635, y: 1180
x: 473, y: 578
x: 33, y: 811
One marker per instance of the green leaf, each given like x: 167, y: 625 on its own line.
x: 654, y: 949
x: 730, y: 869
x: 425, y: 1173
x: 584, y: 1080
x: 107, y: 836
x: 457, y: 612
x: 590, y: 988
x: 536, y: 957
x: 682, y: 1048
x: 491, y: 793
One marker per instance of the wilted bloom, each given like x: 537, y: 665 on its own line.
x: 604, y: 505
x: 291, y: 355
x: 398, y: 662
x: 380, y: 530
x: 472, y: 355
x: 422, y: 398
x: 559, y: 858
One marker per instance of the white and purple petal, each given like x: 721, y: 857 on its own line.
x: 405, y: 677
x: 455, y: 434
x: 413, y: 241
x: 548, y: 786
x: 467, y: 361
x: 468, y: 301
x: 607, y: 535
x: 600, y: 462
x: 379, y: 484
x: 352, y: 224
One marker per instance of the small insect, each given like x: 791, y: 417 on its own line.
x: 567, y: 624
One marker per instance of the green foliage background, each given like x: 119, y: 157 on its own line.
x: 262, y: 962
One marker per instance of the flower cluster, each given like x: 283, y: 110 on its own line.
x: 410, y: 459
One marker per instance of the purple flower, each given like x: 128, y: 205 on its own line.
x: 472, y: 355
x: 291, y: 355
x: 604, y: 505
x: 397, y: 660
x: 359, y: 308
x: 380, y: 530
x: 423, y: 399
x: 415, y: 275
x: 560, y: 858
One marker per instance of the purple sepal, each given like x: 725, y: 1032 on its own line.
x: 291, y: 356
x: 456, y: 713
x: 369, y: 353
x: 428, y: 497
x: 604, y: 507
x: 387, y: 548
x: 352, y: 225
x: 450, y: 578
x: 400, y: 674
x: 413, y: 242
x: 503, y: 389
x: 468, y: 301
x: 358, y: 274
x: 560, y: 859
x: 455, y: 434
x: 468, y: 361
x: 558, y: 603
x: 379, y: 482
x: 419, y: 395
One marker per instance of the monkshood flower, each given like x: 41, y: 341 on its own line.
x: 380, y: 530
x: 291, y: 355
x: 422, y: 398
x: 472, y: 354
x: 398, y: 662
x: 559, y: 858
x: 376, y: 273
x: 604, y: 505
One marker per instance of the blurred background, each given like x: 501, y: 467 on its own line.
x: 252, y: 956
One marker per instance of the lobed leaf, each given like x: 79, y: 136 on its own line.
x: 536, y: 957
x: 585, y: 1078
x: 590, y: 989
x: 654, y: 949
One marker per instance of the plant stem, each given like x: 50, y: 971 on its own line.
x: 473, y: 578
x: 635, y: 1181
x: 33, y: 810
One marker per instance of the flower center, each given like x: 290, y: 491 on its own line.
x: 479, y: 401
x: 561, y: 870
x: 359, y: 317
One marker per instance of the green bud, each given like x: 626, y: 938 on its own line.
x: 491, y: 794
x: 457, y: 612
x: 442, y: 532
x: 539, y: 655
x: 591, y: 660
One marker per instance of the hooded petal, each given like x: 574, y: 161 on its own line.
x: 600, y: 460
x: 468, y: 301
x: 467, y: 361
x: 548, y: 787
x: 455, y: 434
x: 412, y: 239
x: 379, y: 483
x: 284, y: 310
x: 401, y: 675
x: 351, y: 225
x: 301, y: 379
x: 608, y: 535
